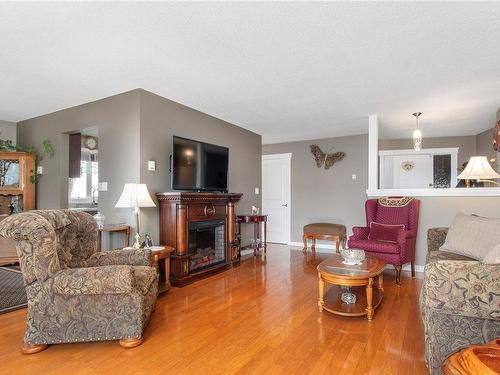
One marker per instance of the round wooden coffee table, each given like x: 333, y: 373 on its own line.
x: 356, y: 279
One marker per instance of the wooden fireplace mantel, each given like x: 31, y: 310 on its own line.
x: 191, y: 196
x: 177, y: 210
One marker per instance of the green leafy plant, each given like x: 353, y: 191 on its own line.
x: 6, y: 145
x: 48, y: 150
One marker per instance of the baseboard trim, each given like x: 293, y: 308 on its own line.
x: 406, y: 267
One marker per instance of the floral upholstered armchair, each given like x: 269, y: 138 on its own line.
x: 75, y: 293
x: 460, y: 301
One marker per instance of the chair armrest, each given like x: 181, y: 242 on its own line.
x: 132, y: 257
x: 405, y: 235
x: 467, y: 288
x: 436, y: 238
x: 94, y: 280
x: 360, y: 233
x: 410, y: 234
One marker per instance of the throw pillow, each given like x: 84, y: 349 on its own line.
x: 385, y: 232
x: 493, y: 257
x: 472, y: 236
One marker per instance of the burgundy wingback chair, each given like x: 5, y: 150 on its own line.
x: 392, y: 210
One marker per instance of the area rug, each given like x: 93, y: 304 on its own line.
x: 12, y: 292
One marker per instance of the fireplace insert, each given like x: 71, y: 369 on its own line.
x: 207, y: 244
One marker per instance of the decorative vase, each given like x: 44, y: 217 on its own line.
x: 347, y: 296
x: 99, y: 219
x: 353, y: 256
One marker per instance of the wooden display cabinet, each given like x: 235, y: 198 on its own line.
x: 16, y: 169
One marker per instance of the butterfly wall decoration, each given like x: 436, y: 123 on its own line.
x: 325, y: 158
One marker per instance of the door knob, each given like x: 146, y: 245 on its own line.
x: 284, y: 205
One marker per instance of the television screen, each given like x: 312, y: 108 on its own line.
x: 198, y: 165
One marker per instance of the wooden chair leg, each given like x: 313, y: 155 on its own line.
x: 33, y: 348
x: 304, y: 239
x: 412, y: 269
x: 131, y: 342
x: 398, y: 274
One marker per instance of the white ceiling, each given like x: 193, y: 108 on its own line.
x: 288, y: 71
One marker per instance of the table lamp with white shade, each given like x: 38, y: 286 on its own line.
x: 135, y: 196
x: 478, y: 168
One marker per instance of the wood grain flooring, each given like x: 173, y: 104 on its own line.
x: 259, y: 318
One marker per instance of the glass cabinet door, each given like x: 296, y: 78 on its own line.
x: 9, y: 173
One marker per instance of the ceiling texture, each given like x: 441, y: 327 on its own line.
x: 287, y: 71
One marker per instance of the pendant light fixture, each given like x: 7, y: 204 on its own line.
x: 417, y: 134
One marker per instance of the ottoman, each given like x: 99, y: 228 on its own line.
x: 324, y: 231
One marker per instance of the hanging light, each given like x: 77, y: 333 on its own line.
x: 417, y: 134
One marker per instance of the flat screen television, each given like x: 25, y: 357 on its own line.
x: 198, y: 165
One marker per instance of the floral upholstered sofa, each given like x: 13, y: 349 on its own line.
x: 76, y: 293
x: 460, y: 301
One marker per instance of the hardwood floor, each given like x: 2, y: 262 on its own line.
x: 260, y: 318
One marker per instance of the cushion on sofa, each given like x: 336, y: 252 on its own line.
x: 472, y: 236
x: 434, y: 256
x: 493, y: 257
x: 385, y: 232
x: 376, y: 246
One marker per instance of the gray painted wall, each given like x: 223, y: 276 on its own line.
x: 135, y: 127
x: 484, y: 146
x: 162, y: 118
x: 320, y: 195
x: 8, y: 131
x: 117, y: 118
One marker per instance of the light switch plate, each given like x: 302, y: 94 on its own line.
x: 39, y: 170
x: 151, y: 165
x: 257, y: 190
x: 354, y: 177
x: 103, y: 186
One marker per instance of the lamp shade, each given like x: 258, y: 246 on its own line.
x: 135, y: 195
x: 478, y: 168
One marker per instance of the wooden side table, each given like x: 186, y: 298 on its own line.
x: 161, y: 261
x: 114, y: 228
x: 256, y: 220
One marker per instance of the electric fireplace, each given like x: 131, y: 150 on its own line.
x: 201, y: 227
x: 206, y: 244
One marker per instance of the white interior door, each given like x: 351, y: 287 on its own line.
x: 418, y: 174
x: 276, y: 193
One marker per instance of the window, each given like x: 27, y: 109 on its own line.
x: 84, y: 189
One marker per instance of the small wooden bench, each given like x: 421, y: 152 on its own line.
x: 324, y: 231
